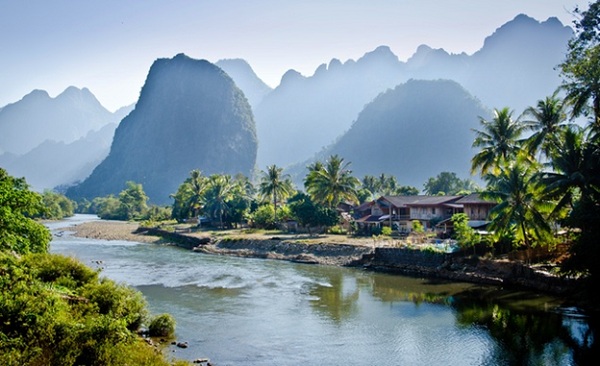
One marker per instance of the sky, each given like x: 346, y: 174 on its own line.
x: 108, y: 46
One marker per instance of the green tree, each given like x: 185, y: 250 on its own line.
x: 548, y: 120
x: 447, y: 183
x: 371, y: 184
x: 465, y: 235
x: 499, y: 140
x: 581, y: 68
x: 220, y: 191
x: 309, y: 215
x: 56, y: 206
x: 332, y: 182
x: 19, y: 233
x: 275, y: 185
x: 407, y: 191
x: 190, y: 197
x: 520, y: 210
x: 133, y: 201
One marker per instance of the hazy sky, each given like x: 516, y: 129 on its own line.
x: 108, y: 46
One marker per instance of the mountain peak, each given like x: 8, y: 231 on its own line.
x: 381, y: 53
x: 523, y: 28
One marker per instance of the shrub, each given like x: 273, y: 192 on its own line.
x: 386, y: 230
x: 162, y: 325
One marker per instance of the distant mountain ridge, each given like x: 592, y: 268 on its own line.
x: 53, y: 164
x: 37, y: 117
x: 246, y: 79
x: 414, y: 132
x: 514, y: 68
x: 190, y: 115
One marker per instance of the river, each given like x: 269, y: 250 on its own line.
x: 240, y: 311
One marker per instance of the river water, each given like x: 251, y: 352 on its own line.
x: 239, y: 311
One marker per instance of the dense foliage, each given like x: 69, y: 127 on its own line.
x: 54, y: 309
x: 19, y: 233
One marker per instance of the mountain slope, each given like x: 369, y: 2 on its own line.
x: 190, y: 115
x: 514, y: 68
x: 414, y: 132
x: 38, y: 117
x: 52, y: 163
x: 246, y: 79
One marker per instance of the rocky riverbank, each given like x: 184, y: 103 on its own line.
x: 367, y: 255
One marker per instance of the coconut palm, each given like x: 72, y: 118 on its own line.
x: 499, y: 140
x: 275, y: 185
x: 575, y: 169
x: 332, y: 182
x: 547, y: 121
x: 220, y: 190
x: 371, y: 184
x: 519, y: 210
x: 581, y: 71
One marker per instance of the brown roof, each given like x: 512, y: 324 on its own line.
x: 474, y: 198
x: 434, y: 200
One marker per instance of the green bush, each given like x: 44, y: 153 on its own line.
x: 386, y: 230
x: 162, y: 325
x: 57, y: 311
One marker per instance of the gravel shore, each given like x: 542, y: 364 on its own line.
x: 111, y: 230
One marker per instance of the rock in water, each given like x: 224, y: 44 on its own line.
x: 190, y: 115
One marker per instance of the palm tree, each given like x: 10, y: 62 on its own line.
x: 276, y: 185
x: 197, y: 187
x: 519, y: 210
x: 219, y: 192
x: 548, y: 119
x: 499, y: 140
x: 332, y: 182
x: 581, y: 71
x: 371, y: 184
x: 575, y: 169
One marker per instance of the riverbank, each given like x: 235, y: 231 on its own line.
x: 364, y: 253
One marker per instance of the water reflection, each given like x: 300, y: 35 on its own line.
x: 527, y: 337
x: 336, y: 298
x: 261, y: 312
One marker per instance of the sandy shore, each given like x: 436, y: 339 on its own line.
x: 111, y: 230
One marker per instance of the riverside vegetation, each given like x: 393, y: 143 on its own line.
x: 542, y: 167
x: 57, y: 311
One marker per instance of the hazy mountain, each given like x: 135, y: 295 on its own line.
x: 52, y: 163
x: 253, y: 87
x: 190, y: 115
x: 515, y: 67
x: 415, y: 131
x: 38, y: 117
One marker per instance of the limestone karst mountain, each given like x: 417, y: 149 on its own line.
x: 37, y: 117
x: 515, y: 67
x: 415, y: 131
x: 246, y: 79
x: 190, y: 115
x: 53, y: 163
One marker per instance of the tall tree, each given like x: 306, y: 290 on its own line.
x: 546, y: 121
x: 572, y: 178
x: 133, y: 201
x: 581, y: 68
x: 332, y: 182
x: 220, y: 190
x: 275, y: 185
x: 520, y: 211
x: 447, y: 183
x: 190, y: 196
x: 19, y: 233
x: 499, y: 140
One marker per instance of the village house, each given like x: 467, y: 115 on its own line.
x: 398, y: 212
